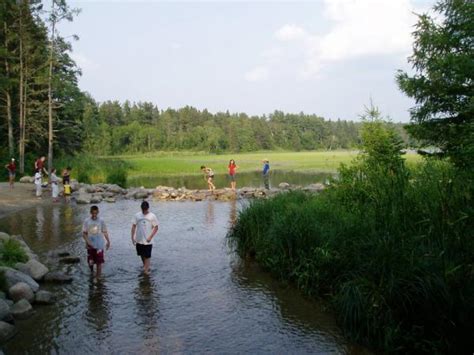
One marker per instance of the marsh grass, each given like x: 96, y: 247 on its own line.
x: 390, y: 247
x: 11, y: 252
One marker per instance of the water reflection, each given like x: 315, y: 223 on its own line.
x: 39, y: 221
x: 232, y: 213
x: 98, y: 314
x: 147, y: 311
x: 210, y: 213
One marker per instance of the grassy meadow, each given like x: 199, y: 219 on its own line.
x: 182, y: 163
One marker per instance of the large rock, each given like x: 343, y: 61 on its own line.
x: 44, y: 297
x: 13, y: 277
x: 4, y: 236
x: 20, y: 291
x: 114, y: 189
x: 110, y: 199
x: 34, y: 268
x: 22, y: 309
x: 96, y: 198
x: 84, y: 198
x: 140, y: 194
x: 284, y: 185
x: 57, y: 277
x: 7, y: 331
x: 70, y: 260
x: 27, y: 179
x: 5, y: 311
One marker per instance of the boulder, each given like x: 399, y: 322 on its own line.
x: 141, y: 194
x: 284, y: 185
x: 198, y: 197
x: 84, y: 199
x: 7, y: 331
x: 27, y: 179
x: 57, y: 277
x: 2, y: 295
x: 4, y: 237
x: 13, y: 277
x: 5, y: 311
x: 22, y: 309
x: 110, y: 199
x: 115, y: 189
x: 70, y: 260
x: 96, y: 198
x: 44, y: 297
x: 108, y: 194
x: 90, y: 189
x: 35, y: 269
x: 20, y: 291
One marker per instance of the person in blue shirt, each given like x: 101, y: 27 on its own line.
x: 266, y: 173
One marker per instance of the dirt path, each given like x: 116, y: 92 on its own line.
x: 20, y: 198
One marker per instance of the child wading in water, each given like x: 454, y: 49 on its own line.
x: 54, y: 180
x: 208, y: 176
x: 94, y: 231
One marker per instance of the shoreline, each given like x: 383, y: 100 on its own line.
x: 20, y: 198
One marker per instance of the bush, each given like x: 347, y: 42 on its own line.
x: 117, y: 176
x: 391, y: 248
x: 11, y: 252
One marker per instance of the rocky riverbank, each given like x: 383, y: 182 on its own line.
x: 96, y: 193
x: 22, y: 287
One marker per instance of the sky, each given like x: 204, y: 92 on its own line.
x: 325, y: 57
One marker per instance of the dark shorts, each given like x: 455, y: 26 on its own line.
x: 94, y: 256
x: 232, y: 177
x: 10, y: 174
x: 144, y: 250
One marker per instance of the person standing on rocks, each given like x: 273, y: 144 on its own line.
x: 11, y: 167
x: 39, y: 165
x: 144, y: 229
x: 94, y: 232
x: 232, y: 169
x: 266, y: 173
x: 208, y: 176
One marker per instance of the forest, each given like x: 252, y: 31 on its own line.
x: 44, y: 112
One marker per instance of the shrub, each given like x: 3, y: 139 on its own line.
x: 117, y: 176
x: 11, y: 252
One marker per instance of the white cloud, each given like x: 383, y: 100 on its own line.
x: 290, y: 33
x: 259, y: 73
x: 357, y: 28
x: 176, y: 46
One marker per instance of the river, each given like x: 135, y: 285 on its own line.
x: 200, y: 297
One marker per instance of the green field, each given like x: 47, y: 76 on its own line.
x: 183, y: 163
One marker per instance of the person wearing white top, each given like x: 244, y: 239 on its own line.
x: 38, y: 182
x: 54, y: 180
x: 144, y: 229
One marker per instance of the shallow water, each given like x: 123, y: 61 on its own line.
x: 200, y: 298
x: 249, y: 179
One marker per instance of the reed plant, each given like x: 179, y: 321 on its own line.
x: 11, y: 252
x: 390, y: 247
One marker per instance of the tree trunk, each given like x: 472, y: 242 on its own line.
x: 21, y: 147
x: 50, y: 95
x: 11, y: 147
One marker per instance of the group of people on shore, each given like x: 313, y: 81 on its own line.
x: 232, y: 170
x: 39, y: 173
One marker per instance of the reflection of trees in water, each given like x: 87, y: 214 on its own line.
x: 302, y: 313
x: 232, y: 212
x: 39, y: 222
x: 147, y: 308
x: 98, y: 313
x: 210, y: 213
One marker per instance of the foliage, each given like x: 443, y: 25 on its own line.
x: 390, y: 247
x: 443, y: 83
x: 11, y: 252
x: 117, y: 174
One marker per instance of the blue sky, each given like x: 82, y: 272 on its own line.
x: 328, y: 57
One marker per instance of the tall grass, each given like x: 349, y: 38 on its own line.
x: 93, y: 169
x: 390, y: 247
x: 11, y: 252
